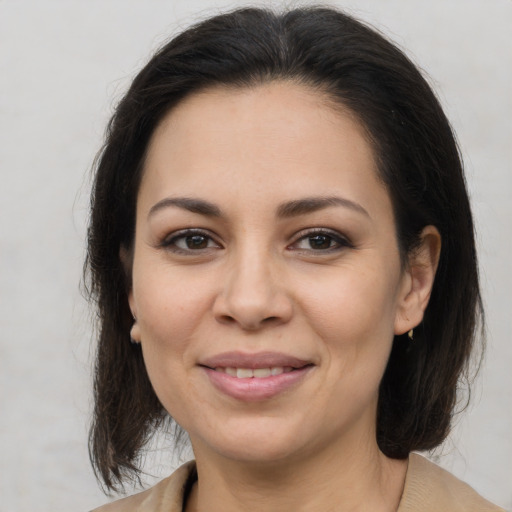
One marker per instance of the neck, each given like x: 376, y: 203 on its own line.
x: 353, y: 477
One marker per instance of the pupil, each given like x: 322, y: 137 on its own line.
x: 320, y: 242
x: 197, y: 242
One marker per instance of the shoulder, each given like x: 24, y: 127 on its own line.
x: 430, y: 488
x: 166, y: 496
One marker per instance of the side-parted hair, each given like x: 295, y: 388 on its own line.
x: 417, y: 159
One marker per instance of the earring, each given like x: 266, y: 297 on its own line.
x: 132, y: 341
x: 411, y: 334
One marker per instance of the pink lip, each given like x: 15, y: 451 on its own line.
x: 257, y: 360
x: 255, y: 389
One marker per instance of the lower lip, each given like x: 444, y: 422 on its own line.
x: 256, y: 389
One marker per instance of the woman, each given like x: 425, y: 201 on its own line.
x: 280, y: 227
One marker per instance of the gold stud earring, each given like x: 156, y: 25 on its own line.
x: 132, y: 341
x: 411, y: 334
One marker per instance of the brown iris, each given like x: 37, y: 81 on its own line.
x: 196, y: 242
x: 320, y: 242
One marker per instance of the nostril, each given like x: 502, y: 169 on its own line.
x: 226, y: 319
x: 247, y: 325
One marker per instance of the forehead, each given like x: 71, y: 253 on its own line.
x: 277, y: 139
x: 269, y: 110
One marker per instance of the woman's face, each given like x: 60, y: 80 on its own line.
x: 267, y: 283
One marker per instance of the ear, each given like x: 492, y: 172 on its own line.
x: 418, y: 281
x: 126, y: 257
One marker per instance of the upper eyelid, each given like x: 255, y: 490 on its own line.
x: 166, y: 240
x: 319, y: 230
x: 303, y: 233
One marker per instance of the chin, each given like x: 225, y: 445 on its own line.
x: 260, y: 441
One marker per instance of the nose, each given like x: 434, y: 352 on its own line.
x: 252, y: 295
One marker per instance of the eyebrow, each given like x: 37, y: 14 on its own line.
x: 313, y: 204
x: 285, y: 210
x: 187, y: 203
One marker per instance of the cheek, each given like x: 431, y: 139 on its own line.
x: 351, y: 304
x: 354, y: 317
x: 353, y: 313
x: 171, y: 303
x: 170, y: 309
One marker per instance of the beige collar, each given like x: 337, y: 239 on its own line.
x: 428, y: 488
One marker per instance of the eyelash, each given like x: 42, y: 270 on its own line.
x: 341, y: 242
x: 170, y: 243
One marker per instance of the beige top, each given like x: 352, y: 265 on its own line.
x: 428, y: 488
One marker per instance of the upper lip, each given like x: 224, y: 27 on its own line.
x: 253, y: 361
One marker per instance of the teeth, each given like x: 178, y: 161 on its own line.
x: 244, y: 373
x: 260, y: 373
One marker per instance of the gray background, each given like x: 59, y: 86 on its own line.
x: 63, y: 65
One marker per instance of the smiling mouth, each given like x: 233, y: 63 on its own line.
x: 255, y: 377
x: 250, y: 373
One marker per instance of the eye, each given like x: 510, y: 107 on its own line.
x: 320, y: 240
x: 190, y: 240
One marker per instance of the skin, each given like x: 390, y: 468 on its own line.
x: 259, y: 281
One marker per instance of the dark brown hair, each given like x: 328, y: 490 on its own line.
x: 418, y: 160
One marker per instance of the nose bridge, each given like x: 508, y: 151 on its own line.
x: 251, y: 272
x: 252, y: 293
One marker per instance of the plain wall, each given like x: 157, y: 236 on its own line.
x: 63, y: 66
